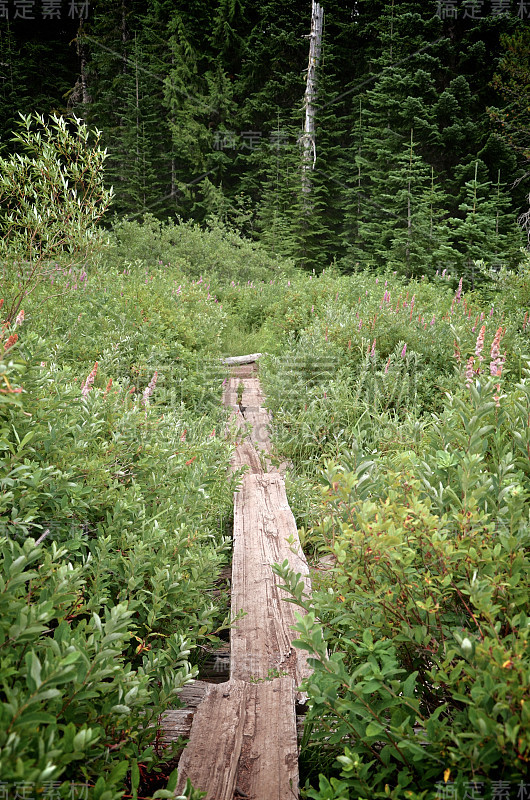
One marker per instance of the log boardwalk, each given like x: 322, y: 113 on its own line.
x: 243, y: 738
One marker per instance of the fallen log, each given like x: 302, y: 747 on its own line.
x: 233, y: 361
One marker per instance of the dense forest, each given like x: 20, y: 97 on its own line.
x: 156, y: 216
x: 422, y: 119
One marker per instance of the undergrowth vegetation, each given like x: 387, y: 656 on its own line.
x: 403, y: 408
x: 418, y: 633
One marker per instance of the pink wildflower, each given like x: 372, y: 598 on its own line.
x: 403, y: 352
x: 107, y: 390
x: 469, y: 370
x: 372, y: 351
x: 458, y: 294
x: 432, y: 320
x: 149, y: 389
x: 90, y: 380
x: 496, y: 365
x: 20, y: 317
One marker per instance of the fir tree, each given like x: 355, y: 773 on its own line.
x: 486, y: 235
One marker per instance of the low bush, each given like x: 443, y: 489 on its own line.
x: 419, y: 635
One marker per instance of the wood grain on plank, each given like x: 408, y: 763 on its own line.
x: 244, y: 735
x: 268, y: 764
x: 211, y: 758
x: 265, y: 533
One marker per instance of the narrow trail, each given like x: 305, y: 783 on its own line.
x: 243, y: 737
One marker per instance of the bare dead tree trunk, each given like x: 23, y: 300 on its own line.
x: 308, y: 140
x: 524, y: 222
x: 81, y: 52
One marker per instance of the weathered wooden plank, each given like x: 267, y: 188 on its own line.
x: 251, y: 419
x: 193, y: 693
x: 244, y: 735
x: 211, y: 758
x: 233, y: 361
x: 177, y: 724
x: 268, y: 764
x: 264, y: 533
x: 177, y: 721
x: 246, y: 455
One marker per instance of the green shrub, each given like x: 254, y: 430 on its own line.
x: 419, y: 637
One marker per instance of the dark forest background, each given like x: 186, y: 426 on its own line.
x: 423, y: 144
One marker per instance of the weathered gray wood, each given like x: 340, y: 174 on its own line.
x: 193, y: 693
x: 233, y: 361
x: 244, y: 735
x: 268, y: 764
x: 211, y: 758
x: 177, y: 724
x: 250, y: 419
x: 246, y: 455
x: 265, y: 533
x: 308, y: 137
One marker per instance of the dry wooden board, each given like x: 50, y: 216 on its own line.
x: 251, y: 423
x: 244, y: 735
x: 265, y: 533
x: 246, y: 455
x: 211, y: 758
x: 235, y: 360
x: 177, y: 724
x: 193, y: 693
x: 268, y: 764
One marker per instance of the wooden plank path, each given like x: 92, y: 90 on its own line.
x: 243, y: 737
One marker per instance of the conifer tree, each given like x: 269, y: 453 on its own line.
x: 486, y: 233
x: 410, y: 242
